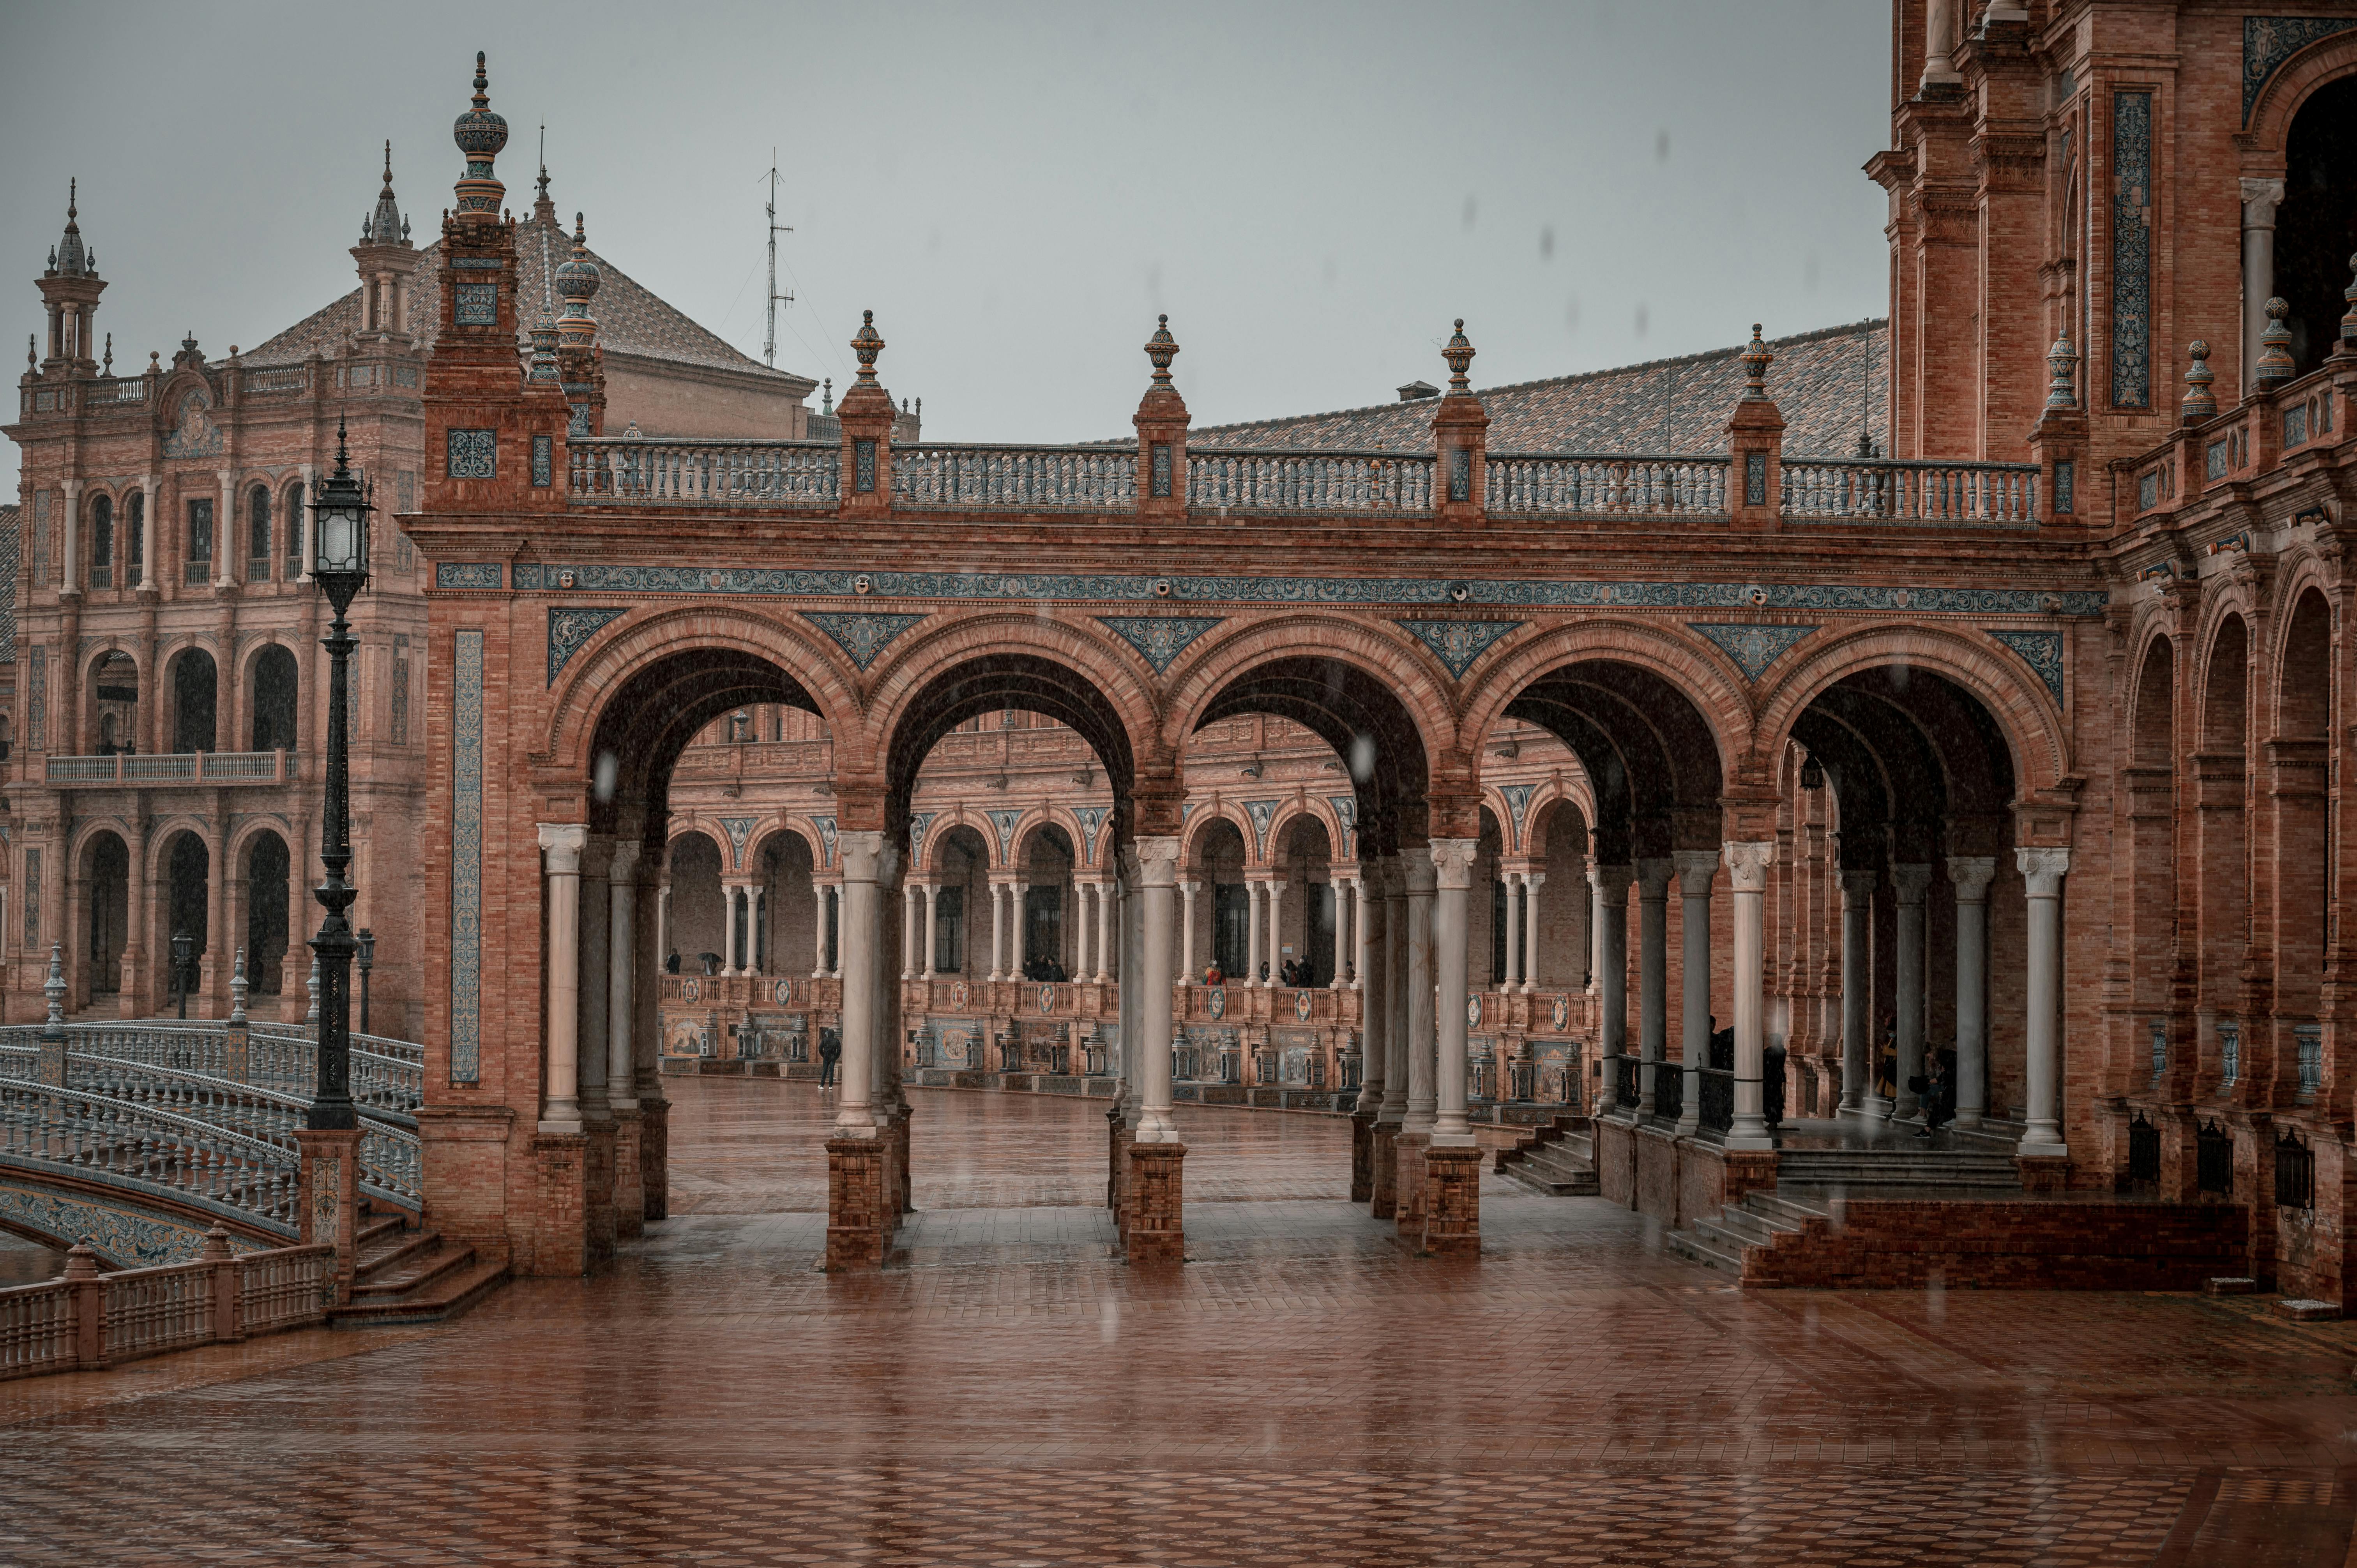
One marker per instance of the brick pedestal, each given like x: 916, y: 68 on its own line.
x: 854, y: 1202
x: 900, y: 1161
x: 1363, y: 1156
x: 1383, y: 1170
x: 629, y: 1177
x: 1118, y: 1139
x: 1452, y: 1202
x: 598, y: 1191
x: 560, y: 1210
x: 1158, y: 1231
x: 1408, y: 1150
x: 327, y: 1197
x: 2043, y: 1173
x: 654, y: 1156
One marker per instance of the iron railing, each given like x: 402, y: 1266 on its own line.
x: 1717, y: 1098
x: 1669, y: 1090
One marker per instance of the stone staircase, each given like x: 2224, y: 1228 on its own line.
x: 1557, y: 1159
x: 1809, y: 1182
x: 408, y: 1274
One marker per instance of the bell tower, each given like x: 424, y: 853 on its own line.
x: 386, y: 258
x: 71, y: 288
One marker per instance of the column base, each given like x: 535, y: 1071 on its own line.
x: 855, y: 1204
x: 328, y: 1198
x: 1383, y: 1169
x: 1158, y: 1180
x: 2046, y: 1168
x: 1363, y: 1148
x: 560, y: 1215
x: 1452, y: 1221
x: 630, y: 1176
x: 1408, y: 1150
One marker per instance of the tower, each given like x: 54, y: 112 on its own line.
x: 576, y: 338
x: 386, y: 259
x: 70, y: 288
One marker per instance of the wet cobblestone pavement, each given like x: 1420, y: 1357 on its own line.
x: 1302, y: 1391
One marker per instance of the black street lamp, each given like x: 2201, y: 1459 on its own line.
x: 367, y: 961
x: 340, y: 513
x: 184, y: 948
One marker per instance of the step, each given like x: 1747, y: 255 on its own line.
x: 451, y: 1294
x: 1582, y: 1184
x: 1729, y: 1233
x: 1783, y: 1206
x: 395, y: 1252
x: 416, y: 1269
x: 1557, y: 1162
x: 1752, y: 1227
x: 374, y: 1226
x: 1686, y: 1244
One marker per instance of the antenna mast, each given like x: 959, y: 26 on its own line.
x: 770, y: 344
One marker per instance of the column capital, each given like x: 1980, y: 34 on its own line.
x: 2260, y: 200
x: 1653, y: 874
x: 2043, y: 869
x: 562, y: 842
x: 1533, y: 878
x: 625, y: 860
x: 1158, y: 862
x: 861, y: 853
x: 1911, y: 882
x: 1452, y: 862
x: 1697, y: 869
x: 1972, y: 874
x: 1419, y: 876
x: 1190, y: 886
x: 1857, y: 886
x: 1747, y: 863
x: 1613, y: 881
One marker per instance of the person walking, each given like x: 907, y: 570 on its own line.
x: 830, y: 1051
x: 1938, y: 1092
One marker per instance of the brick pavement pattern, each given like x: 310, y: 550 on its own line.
x: 1304, y: 1390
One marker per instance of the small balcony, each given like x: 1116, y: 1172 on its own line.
x: 164, y: 769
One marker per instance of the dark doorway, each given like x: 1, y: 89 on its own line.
x: 1231, y: 928
x: 190, y: 871
x: 107, y: 875
x: 2316, y: 228
x: 194, y: 686
x: 274, y: 693
x: 267, y: 878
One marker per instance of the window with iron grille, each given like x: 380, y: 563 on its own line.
x: 2213, y: 1162
x: 2294, y: 1172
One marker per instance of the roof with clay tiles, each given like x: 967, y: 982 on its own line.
x: 1827, y: 383
x: 630, y: 318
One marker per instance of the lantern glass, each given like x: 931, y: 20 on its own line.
x: 338, y: 532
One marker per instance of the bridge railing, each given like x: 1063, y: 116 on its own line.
x: 87, y: 1321
x: 386, y: 1074
x: 186, y: 1159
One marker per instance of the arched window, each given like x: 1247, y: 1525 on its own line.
x: 257, y: 528
x: 2316, y: 227
x: 102, y: 542
x: 274, y: 701
x: 296, y: 564
x: 199, y: 568
x: 136, y: 547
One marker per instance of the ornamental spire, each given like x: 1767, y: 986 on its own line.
x: 72, y: 259
x: 384, y: 225
x: 1160, y: 349
x: 480, y: 134
x: 2200, y: 403
x: 1757, y: 357
x: 1459, y: 355
x: 868, y: 343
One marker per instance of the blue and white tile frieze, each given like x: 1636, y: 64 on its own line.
x: 1160, y: 639
x: 2268, y: 41
x: 1005, y: 821
x: 481, y: 576
x: 466, y: 857
x: 1262, y: 814
x: 570, y: 629
x: 1752, y: 647
x: 2042, y: 650
x: 862, y: 635
x: 1458, y: 644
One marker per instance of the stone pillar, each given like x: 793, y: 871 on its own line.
x: 1423, y: 1058
x: 1382, y: 1148
x: 2260, y: 200
x: 1747, y: 866
x: 727, y: 929
x: 1512, y: 977
x: 1911, y: 884
x: 622, y: 981
x: 1359, y: 935
x: 1532, y: 882
x: 225, y: 541
x: 562, y: 843
x: 2043, y: 870
x: 1252, y: 887
x: 1696, y: 869
x: 1275, y: 928
x: 1373, y: 1036
x: 153, y: 493
x: 1339, y: 887
x: 1594, y: 927
x: 933, y: 897
x: 908, y: 897
x: 856, y: 945
x: 1452, y: 861
x: 997, y: 932
x: 1188, y: 971
x: 1612, y: 973
x: 1158, y: 869
x: 70, y: 580
x: 326, y: 1198
x: 1972, y: 875
x: 1652, y: 975
x: 1104, y: 933
x: 1857, y: 994
x: 757, y: 904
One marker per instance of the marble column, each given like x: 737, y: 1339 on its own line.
x: 1339, y: 887
x: 1747, y: 866
x: 931, y: 892
x: 1653, y: 974
x: 1912, y: 884
x: 1105, y: 931
x: 1858, y: 1098
x: 757, y: 901
x: 1696, y: 870
x: 1452, y: 861
x: 1512, y: 977
x: 621, y: 989
x: 819, y: 895
x: 997, y: 931
x: 1253, y: 890
x: 1972, y: 875
x: 71, y: 581
x: 1532, y: 882
x: 1158, y: 870
x: 1423, y: 1055
x: 856, y: 947
x: 1188, y: 973
x: 153, y: 493
x: 1359, y: 929
x: 2260, y: 200
x: 593, y: 985
x: 1395, y: 990
x: 728, y: 929
x: 1594, y: 927
x: 1374, y: 1035
x: 2043, y: 870
x: 909, y: 894
x: 1612, y: 972
x: 225, y: 533
x: 1276, y: 929
x: 562, y: 843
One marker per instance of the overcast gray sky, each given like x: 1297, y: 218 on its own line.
x: 1312, y: 191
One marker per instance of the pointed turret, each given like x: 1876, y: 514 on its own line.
x: 386, y: 259
x: 578, y: 364
x: 70, y: 288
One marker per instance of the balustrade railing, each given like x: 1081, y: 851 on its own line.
x: 279, y: 382
x: 1905, y: 490
x: 149, y: 768
x: 1016, y: 479
x: 86, y: 1320
x: 186, y: 1157
x: 1571, y: 484
x: 704, y: 472
x: 1310, y: 482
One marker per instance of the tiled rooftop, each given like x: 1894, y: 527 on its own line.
x: 1828, y: 384
x: 631, y: 319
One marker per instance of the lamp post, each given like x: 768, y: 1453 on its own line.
x: 339, y: 514
x: 183, y: 950
x: 367, y: 961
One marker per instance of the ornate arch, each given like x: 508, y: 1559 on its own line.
x: 2287, y: 91
x: 779, y: 825
x: 1697, y: 670
x: 241, y: 840
x: 1318, y: 809
x: 946, y: 821
x: 88, y: 829
x: 1375, y: 648
x: 1198, y: 823
x: 159, y: 840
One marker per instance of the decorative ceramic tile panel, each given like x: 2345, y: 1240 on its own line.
x: 123, y: 1236
x: 826, y: 832
x: 1753, y: 648
x: 480, y: 575
x: 1518, y: 805
x: 738, y: 829
x: 570, y: 629
x: 1004, y: 823
x: 919, y: 823
x: 1755, y: 478
x: 467, y: 857
x: 1159, y: 638
x: 2042, y: 650
x: 2268, y: 41
x: 1459, y: 643
x: 33, y: 899
x: 2132, y: 202
x: 473, y: 454
x: 862, y: 635
x: 477, y: 305
x: 36, y: 699
x: 1346, y: 812
x: 707, y: 581
x: 543, y: 460
x: 1091, y: 821
x: 1262, y: 814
